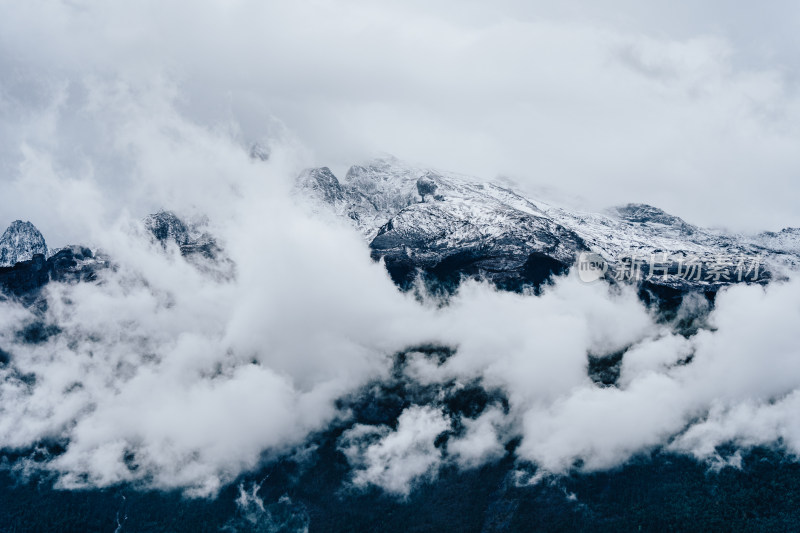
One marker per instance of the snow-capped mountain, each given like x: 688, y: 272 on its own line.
x: 166, y: 227
x: 31, y: 267
x: 447, y: 225
x: 28, y: 264
x: 20, y: 242
x: 196, y: 245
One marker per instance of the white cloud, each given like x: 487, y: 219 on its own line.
x: 482, y: 440
x: 163, y: 373
x: 394, y: 459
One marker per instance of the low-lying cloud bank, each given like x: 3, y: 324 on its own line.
x: 735, y: 383
x: 163, y: 375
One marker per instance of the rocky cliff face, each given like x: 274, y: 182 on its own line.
x: 20, y: 242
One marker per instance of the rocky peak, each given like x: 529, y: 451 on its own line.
x: 647, y: 214
x: 260, y: 151
x: 166, y: 226
x: 20, y: 242
x: 198, y: 246
x: 323, y: 182
x: 426, y: 186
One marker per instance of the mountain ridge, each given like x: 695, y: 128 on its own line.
x: 448, y: 226
x: 444, y: 227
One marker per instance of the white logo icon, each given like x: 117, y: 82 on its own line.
x: 591, y: 266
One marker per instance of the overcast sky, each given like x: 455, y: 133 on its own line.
x: 690, y: 106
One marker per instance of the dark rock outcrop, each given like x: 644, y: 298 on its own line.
x: 72, y: 264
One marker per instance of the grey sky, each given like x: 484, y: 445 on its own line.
x: 690, y: 107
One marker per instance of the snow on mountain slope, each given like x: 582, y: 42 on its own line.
x: 787, y: 240
x: 450, y: 225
